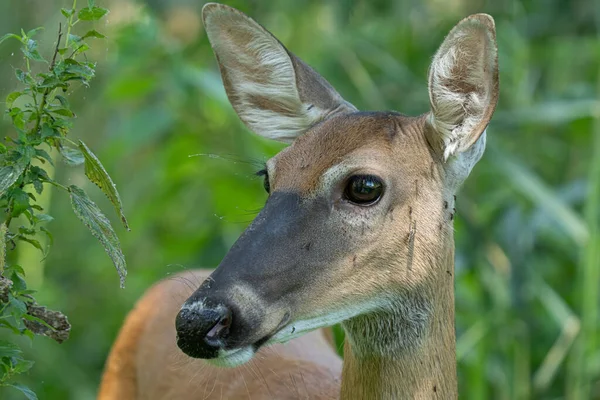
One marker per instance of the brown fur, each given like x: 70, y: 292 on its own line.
x: 146, y: 364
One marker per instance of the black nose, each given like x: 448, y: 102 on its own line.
x: 201, y: 330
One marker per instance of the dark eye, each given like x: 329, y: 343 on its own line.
x: 263, y: 172
x: 363, y: 189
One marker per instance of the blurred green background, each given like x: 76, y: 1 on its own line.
x: 527, y: 258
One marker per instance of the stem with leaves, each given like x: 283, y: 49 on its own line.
x: 42, y: 119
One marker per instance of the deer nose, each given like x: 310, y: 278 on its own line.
x: 201, y: 330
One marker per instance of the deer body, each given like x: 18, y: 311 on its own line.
x: 357, y: 229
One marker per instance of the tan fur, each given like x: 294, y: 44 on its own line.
x: 392, y: 286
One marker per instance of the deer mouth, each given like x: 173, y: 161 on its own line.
x: 229, y: 358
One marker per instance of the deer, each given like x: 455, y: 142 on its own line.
x: 357, y: 230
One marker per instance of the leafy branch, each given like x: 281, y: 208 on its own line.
x: 42, y: 119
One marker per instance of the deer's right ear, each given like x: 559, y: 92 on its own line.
x: 463, y: 87
x: 273, y: 92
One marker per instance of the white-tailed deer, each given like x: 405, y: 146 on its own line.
x: 358, y: 230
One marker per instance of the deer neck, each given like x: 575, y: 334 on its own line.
x: 407, y: 352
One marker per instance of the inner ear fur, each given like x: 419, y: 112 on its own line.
x: 463, y: 85
x: 273, y: 92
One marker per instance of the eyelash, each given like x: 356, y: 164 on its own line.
x: 265, y: 173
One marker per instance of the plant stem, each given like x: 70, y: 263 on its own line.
x: 70, y: 22
x: 47, y: 91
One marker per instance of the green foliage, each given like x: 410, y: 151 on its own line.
x: 42, y: 119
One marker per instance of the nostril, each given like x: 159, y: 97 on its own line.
x: 221, y: 328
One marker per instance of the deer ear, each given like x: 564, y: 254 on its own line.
x: 463, y: 87
x: 273, y: 92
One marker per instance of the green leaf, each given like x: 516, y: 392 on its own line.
x: 89, y: 213
x: 10, y: 99
x: 10, y: 35
x: 18, y: 118
x: 38, y: 186
x: 93, y: 33
x: 24, y: 77
x: 70, y: 69
x: 63, y: 100
x: 18, y: 305
x: 64, y: 112
x: 25, y: 390
x: 66, y: 12
x: 52, y: 82
x: 82, y: 48
x: 72, y: 157
x: 8, y: 349
x: 35, y: 243
x: 16, y: 269
x: 20, y: 201
x: 92, y: 13
x: 74, y: 38
x: 43, y: 155
x: 48, y: 234
x: 9, y: 175
x: 43, y: 218
x: 96, y: 173
x: 34, y: 31
x: 47, y: 131
x: 27, y: 231
x: 23, y: 366
x: 31, y: 52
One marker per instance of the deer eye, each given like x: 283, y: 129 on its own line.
x: 267, y: 186
x: 363, y: 190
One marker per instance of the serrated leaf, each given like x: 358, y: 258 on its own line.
x: 74, y: 38
x: 25, y: 390
x: 23, y: 366
x: 9, y: 175
x: 72, y: 157
x: 9, y: 36
x: 18, y: 305
x: 35, y: 243
x: 70, y: 69
x: 82, y: 48
x: 64, y: 112
x: 24, y: 77
x: 96, y: 173
x: 18, y: 118
x: 48, y: 234
x: 93, y: 33
x: 31, y: 52
x: 20, y: 201
x: 43, y: 218
x: 8, y: 349
x: 38, y: 186
x: 63, y: 100
x: 47, y: 131
x: 43, y: 154
x: 34, y: 31
x: 92, y: 13
x: 66, y: 12
x: 27, y: 231
x: 10, y: 99
x: 91, y: 216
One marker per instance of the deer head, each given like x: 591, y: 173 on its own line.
x: 358, y: 224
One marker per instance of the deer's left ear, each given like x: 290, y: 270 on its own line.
x: 274, y: 93
x: 463, y: 86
